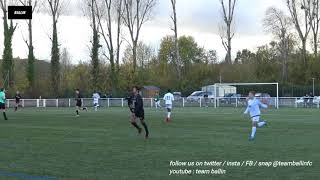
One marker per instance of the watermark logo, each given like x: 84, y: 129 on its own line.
x: 19, y: 12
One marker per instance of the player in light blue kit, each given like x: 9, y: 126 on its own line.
x: 253, y: 109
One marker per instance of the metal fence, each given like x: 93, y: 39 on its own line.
x: 289, y: 102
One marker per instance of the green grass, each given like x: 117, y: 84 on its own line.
x: 103, y: 146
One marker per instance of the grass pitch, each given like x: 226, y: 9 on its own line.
x: 53, y: 144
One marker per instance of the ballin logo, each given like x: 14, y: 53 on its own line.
x: 19, y: 12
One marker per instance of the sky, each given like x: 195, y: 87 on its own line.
x: 197, y: 18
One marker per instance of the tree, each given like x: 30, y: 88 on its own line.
x: 136, y: 13
x: 303, y: 28
x: 8, y: 31
x: 279, y: 25
x: 177, y: 61
x: 95, y: 44
x: 227, y: 30
x: 66, y: 68
x: 29, y: 43
x: 55, y: 8
x: 314, y: 19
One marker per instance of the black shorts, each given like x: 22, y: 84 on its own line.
x: 139, y: 114
x: 2, y: 106
x: 79, y: 104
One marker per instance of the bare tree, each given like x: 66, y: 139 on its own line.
x: 227, y: 29
x: 313, y: 14
x: 55, y: 8
x: 136, y: 13
x: 8, y: 31
x: 303, y: 28
x: 279, y: 24
x: 29, y: 43
x: 176, y: 41
x: 91, y: 12
x: 109, y: 14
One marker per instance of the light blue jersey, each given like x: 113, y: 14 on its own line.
x: 2, y: 97
x: 254, y: 107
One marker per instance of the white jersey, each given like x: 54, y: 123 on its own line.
x: 254, y: 107
x: 96, y: 98
x: 168, y: 98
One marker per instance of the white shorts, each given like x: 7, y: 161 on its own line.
x: 255, y: 119
x: 169, y: 106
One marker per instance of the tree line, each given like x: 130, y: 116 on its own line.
x: 180, y: 63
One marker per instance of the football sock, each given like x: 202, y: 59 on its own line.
x: 15, y: 108
x: 145, y: 128
x: 77, y: 111
x: 5, y: 116
x: 135, y: 125
x: 253, y: 132
x: 169, y: 114
x: 262, y: 123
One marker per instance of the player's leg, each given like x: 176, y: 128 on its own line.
x: 262, y: 123
x: 77, y: 110
x: 3, y: 107
x: 16, y: 106
x: 95, y: 106
x: 144, y: 124
x: 255, y: 121
x: 169, y: 109
x: 134, y: 123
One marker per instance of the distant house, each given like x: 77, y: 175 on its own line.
x: 150, y: 91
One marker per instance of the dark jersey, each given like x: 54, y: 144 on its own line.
x: 79, y: 100
x: 18, y: 98
x: 130, y: 100
x: 138, y: 106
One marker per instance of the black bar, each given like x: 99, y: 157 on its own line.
x: 19, y: 12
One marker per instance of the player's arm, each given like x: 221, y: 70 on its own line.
x: 263, y: 105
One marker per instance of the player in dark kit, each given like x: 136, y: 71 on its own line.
x: 136, y: 107
x: 3, y: 103
x: 78, y: 101
x: 18, y: 98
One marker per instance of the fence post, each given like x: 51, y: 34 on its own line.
x: 69, y: 102
x: 57, y: 102
x: 8, y: 103
x: 22, y: 102
x: 295, y: 102
x: 44, y: 103
x: 236, y: 102
x: 38, y: 102
x: 108, y: 102
x: 200, y: 102
x: 182, y: 102
x: 151, y: 100
x: 121, y: 102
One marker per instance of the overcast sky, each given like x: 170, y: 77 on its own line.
x: 197, y: 18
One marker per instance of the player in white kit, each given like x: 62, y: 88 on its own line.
x: 168, y: 98
x: 254, y: 110
x: 96, y: 98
